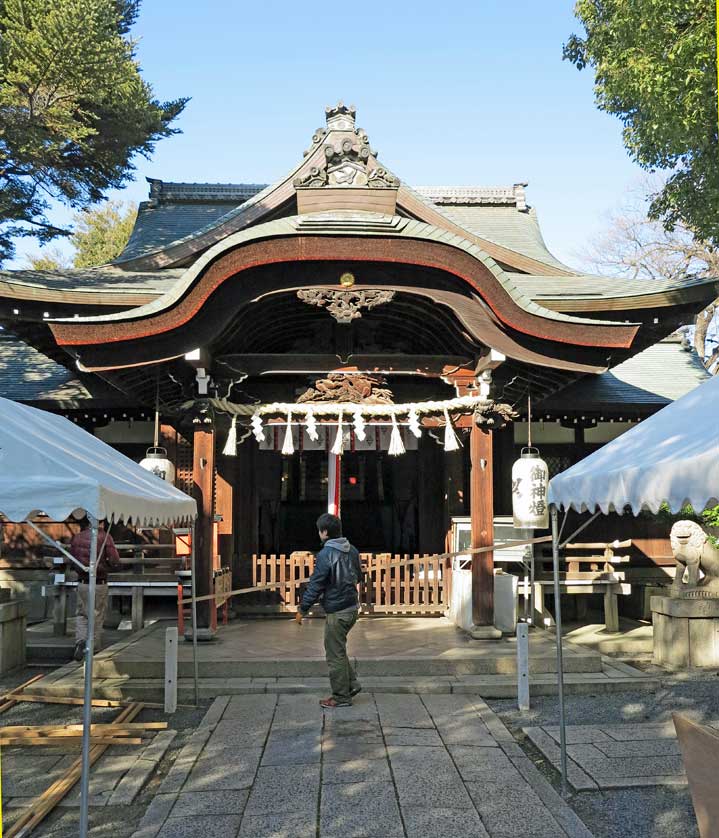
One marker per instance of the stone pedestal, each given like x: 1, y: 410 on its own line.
x: 686, y: 631
x: 13, y: 628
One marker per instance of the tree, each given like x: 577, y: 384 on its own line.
x: 74, y: 110
x: 655, y: 68
x: 638, y: 247
x: 99, y: 237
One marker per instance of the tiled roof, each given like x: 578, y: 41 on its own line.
x: 105, y: 278
x: 654, y: 378
x: 506, y: 225
x: 27, y: 375
x: 589, y: 286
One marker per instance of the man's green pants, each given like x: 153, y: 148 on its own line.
x: 343, y: 678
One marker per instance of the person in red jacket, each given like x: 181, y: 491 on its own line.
x: 108, y: 559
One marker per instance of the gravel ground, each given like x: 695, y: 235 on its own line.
x: 651, y: 812
x: 117, y: 821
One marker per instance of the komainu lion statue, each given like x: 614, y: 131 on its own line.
x: 694, y: 552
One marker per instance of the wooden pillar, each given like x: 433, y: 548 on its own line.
x: 481, y: 502
x: 203, y: 474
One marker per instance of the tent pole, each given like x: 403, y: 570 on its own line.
x: 560, y: 661
x: 87, y: 696
x: 194, y: 614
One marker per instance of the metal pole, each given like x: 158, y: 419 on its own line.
x: 194, y: 614
x: 560, y: 662
x: 87, y: 696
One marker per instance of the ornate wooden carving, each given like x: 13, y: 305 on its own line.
x: 352, y: 389
x: 345, y: 306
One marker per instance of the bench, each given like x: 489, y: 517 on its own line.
x: 588, y: 568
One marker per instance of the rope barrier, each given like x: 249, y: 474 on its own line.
x: 403, y: 562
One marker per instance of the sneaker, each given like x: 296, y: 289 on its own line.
x: 330, y: 703
x: 79, y: 652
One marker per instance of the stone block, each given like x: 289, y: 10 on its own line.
x: 358, y: 810
x: 278, y: 825
x: 443, y: 823
x: 233, y: 770
x: 686, y: 631
x: 191, y: 804
x: 403, y: 711
x: 356, y: 771
x: 412, y: 736
x: 285, y: 789
x: 427, y: 777
x: 215, y: 826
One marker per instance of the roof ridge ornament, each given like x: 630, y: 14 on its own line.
x: 349, y: 161
x: 340, y: 117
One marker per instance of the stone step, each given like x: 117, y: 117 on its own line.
x: 487, y: 686
x: 503, y: 664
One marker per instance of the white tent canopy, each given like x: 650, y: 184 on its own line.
x: 672, y: 457
x: 50, y: 465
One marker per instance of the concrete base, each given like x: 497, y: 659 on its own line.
x: 204, y: 635
x: 686, y: 631
x: 13, y: 630
x: 485, y: 633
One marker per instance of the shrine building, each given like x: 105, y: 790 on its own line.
x: 342, y: 284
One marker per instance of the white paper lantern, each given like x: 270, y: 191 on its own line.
x: 156, y: 461
x: 530, y: 481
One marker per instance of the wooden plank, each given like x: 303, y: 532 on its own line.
x: 415, y: 585
x: 426, y: 585
x: 98, y: 727
x: 436, y: 580
x: 58, y: 699
x: 203, y: 476
x: 377, y: 581
x: 47, y: 801
x: 10, y: 700
x: 406, y: 581
x: 67, y: 741
x: 397, y: 599
x: 292, y: 599
x: 281, y: 560
x: 254, y: 569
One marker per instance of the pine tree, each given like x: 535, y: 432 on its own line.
x: 74, y: 109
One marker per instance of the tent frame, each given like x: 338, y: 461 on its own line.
x: 556, y: 547
x: 90, y: 647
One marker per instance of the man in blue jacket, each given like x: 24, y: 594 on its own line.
x: 336, y: 576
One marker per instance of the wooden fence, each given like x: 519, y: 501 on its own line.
x: 420, y: 587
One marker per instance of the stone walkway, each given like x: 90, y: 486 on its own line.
x: 612, y: 756
x: 391, y: 766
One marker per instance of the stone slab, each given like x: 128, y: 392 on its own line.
x: 427, y: 777
x: 356, y: 771
x: 403, y: 711
x: 412, y: 736
x: 189, y: 804
x: 285, y: 789
x: 513, y: 810
x: 443, y: 823
x: 360, y: 810
x: 278, y: 825
x: 214, y: 826
x: 236, y: 772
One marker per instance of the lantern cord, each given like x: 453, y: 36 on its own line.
x: 529, y: 420
x: 157, y: 410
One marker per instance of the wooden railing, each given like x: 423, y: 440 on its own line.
x: 390, y: 584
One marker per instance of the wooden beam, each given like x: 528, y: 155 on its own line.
x: 481, y: 502
x: 203, y: 474
x: 431, y: 366
x: 47, y: 801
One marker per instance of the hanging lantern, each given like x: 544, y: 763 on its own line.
x: 530, y: 480
x: 157, y: 462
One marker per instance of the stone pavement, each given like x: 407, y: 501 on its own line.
x: 391, y: 766
x: 612, y: 756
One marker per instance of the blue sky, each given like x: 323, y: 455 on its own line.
x: 465, y: 93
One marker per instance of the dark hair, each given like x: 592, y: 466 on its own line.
x: 331, y: 524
